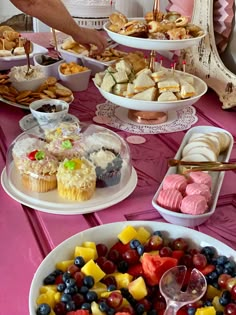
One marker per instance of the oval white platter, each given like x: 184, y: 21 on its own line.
x: 107, y: 234
x: 151, y: 44
x: 217, y: 180
x: 50, y: 202
x: 11, y: 61
x: 200, y: 87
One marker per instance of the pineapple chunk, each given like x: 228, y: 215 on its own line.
x: 99, y: 288
x: 91, y: 245
x: 217, y: 305
x: 49, y: 287
x: 122, y: 279
x: 86, y: 253
x: 127, y: 234
x: 47, y: 298
x: 143, y: 235
x: 212, y: 292
x: 207, y: 310
x: 92, y: 269
x: 95, y: 309
x: 63, y: 265
x: 107, y: 293
x: 137, y: 288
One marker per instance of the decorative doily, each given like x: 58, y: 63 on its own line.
x: 115, y: 116
x: 223, y: 18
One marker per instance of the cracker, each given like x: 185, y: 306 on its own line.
x: 44, y: 96
x: 67, y: 99
x: 49, y: 93
x: 51, y: 81
x: 23, y: 94
x: 63, y: 92
x: 13, y: 90
x: 10, y: 98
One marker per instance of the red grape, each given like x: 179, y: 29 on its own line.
x: 165, y: 251
x: 233, y: 292
x: 155, y: 242
x: 180, y: 244
x: 102, y: 249
x: 222, y: 280
x: 131, y: 256
x: 114, y: 300
x: 199, y: 261
x: 108, y: 267
x: 230, y: 283
x: 230, y: 309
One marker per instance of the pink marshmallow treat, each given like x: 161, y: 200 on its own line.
x: 194, y: 204
x: 200, y: 178
x: 198, y: 189
x: 175, y: 181
x: 170, y: 199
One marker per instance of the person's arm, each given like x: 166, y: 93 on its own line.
x: 55, y: 14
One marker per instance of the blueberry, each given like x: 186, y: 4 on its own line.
x: 140, y: 309
x: 134, y: 244
x: 79, y: 261
x: 110, y: 311
x: 230, y: 266
x: 66, y: 298
x: 43, y: 309
x: 103, y: 307
x: 191, y: 310
x: 207, y: 303
x: 61, y: 287
x: 91, y: 296
x: 70, y: 306
x: 88, y: 281
x: 213, y: 276
x: 83, y: 290
x: 125, y: 293
x: 50, y: 279
x: 86, y: 306
x: 123, y: 266
x: 221, y: 260
x: 208, y: 251
x: 219, y: 313
x: 57, y: 272
x: 71, y: 290
x: 215, y: 285
x: 70, y: 282
x: 225, y: 298
x: 111, y: 287
x: 152, y: 312
x: 140, y: 249
x: 219, y: 269
x: 65, y: 276
x: 157, y: 233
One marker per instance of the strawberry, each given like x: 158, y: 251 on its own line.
x: 208, y: 269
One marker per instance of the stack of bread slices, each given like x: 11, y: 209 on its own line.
x: 163, y: 85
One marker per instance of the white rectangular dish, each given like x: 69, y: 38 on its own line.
x: 217, y: 180
x: 8, y: 62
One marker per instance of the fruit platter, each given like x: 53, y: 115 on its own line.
x: 117, y: 268
x: 194, y: 147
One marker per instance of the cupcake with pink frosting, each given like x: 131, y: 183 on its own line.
x: 170, y: 199
x: 194, y: 204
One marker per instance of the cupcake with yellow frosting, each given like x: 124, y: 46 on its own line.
x: 76, y: 179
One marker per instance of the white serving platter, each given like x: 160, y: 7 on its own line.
x: 217, y: 180
x: 8, y: 62
x: 50, y: 202
x: 151, y: 44
x: 200, y: 87
x: 107, y: 234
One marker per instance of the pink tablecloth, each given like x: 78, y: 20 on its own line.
x: 28, y: 235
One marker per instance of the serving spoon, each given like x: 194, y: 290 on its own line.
x: 27, y: 48
x: 171, y: 284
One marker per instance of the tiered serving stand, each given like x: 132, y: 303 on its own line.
x: 153, y: 112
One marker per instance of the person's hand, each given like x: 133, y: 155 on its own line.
x: 88, y: 36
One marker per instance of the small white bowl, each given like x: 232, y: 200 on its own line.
x: 76, y: 82
x: 49, y: 120
x: 49, y: 70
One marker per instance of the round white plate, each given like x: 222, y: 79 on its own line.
x: 28, y: 121
x: 151, y: 44
x: 107, y: 233
x: 50, y: 202
x: 200, y: 87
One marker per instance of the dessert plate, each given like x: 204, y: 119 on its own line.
x: 28, y: 121
x: 50, y: 202
x: 151, y: 44
x: 11, y: 61
x: 107, y: 234
x: 217, y: 180
x: 200, y: 87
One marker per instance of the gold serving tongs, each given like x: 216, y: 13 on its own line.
x: 203, y: 166
x: 55, y: 43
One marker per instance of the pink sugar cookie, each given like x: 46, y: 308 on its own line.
x: 170, y: 199
x: 194, y: 204
x: 175, y: 181
x: 200, y: 178
x: 198, y: 189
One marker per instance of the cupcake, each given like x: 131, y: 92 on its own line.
x: 104, y: 151
x: 38, y: 170
x: 64, y: 130
x: 63, y: 148
x: 108, y: 166
x: 76, y: 179
x: 24, y: 146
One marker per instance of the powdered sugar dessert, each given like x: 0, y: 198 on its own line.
x: 66, y: 148
x: 194, y: 204
x: 76, y: 179
x: 175, y: 181
x: 200, y: 178
x: 198, y: 189
x: 38, y: 170
x: 170, y: 199
x: 64, y: 130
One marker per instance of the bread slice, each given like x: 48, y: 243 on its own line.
x: 167, y: 97
x: 158, y: 75
x: 108, y: 82
x: 187, y: 90
x: 124, y: 65
x: 169, y: 84
x: 147, y: 95
x: 143, y: 82
x: 120, y: 76
x: 130, y: 90
x: 120, y: 89
x: 99, y: 76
